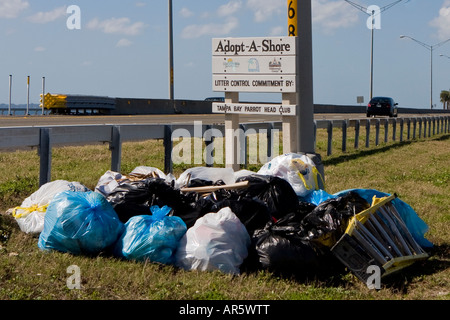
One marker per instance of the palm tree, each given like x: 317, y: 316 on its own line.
x: 445, y: 99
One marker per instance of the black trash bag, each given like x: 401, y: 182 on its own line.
x: 279, y: 248
x: 130, y: 199
x: 303, y: 209
x: 136, y: 197
x: 203, y: 183
x: 274, y: 191
x: 252, y: 212
x: 328, y: 221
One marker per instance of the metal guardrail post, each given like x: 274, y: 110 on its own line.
x: 394, y: 129
x: 270, y: 138
x: 431, y: 121
x: 357, y: 125
x: 425, y: 128
x: 330, y: 137
x: 420, y: 127
x: 367, y: 133
x: 401, y: 130
x: 434, y: 125
x: 244, y: 152
x: 344, y: 136
x: 408, y: 125
x: 386, y: 131
x: 209, y: 143
x: 414, y: 128
x: 438, y: 119
x: 115, y: 146
x: 168, y: 146
x: 377, y: 132
x: 45, y: 155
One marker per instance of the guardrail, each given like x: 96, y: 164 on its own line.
x: 22, y: 111
x: 45, y: 138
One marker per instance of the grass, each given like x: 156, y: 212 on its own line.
x: 418, y: 171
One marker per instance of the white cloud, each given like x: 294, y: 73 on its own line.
x: 39, y: 49
x: 124, y: 43
x: 264, y: 9
x: 326, y: 14
x: 229, y: 8
x: 278, y: 31
x: 211, y: 29
x: 442, y: 22
x: 116, y: 26
x: 140, y: 4
x: 49, y: 16
x: 12, y: 8
x: 186, y: 13
x: 331, y: 15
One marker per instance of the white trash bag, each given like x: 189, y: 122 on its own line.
x: 31, y: 213
x: 298, y: 169
x: 110, y: 180
x: 157, y: 173
x: 217, y: 241
x: 207, y: 174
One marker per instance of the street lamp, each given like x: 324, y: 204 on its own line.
x: 372, y: 14
x: 431, y: 48
x: 171, y: 89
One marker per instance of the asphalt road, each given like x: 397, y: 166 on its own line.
x: 58, y: 120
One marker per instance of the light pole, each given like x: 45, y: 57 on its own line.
x: 431, y: 48
x: 171, y: 90
x: 372, y: 13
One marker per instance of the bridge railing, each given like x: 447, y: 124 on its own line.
x: 45, y: 138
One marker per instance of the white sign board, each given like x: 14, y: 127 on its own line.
x: 258, y: 46
x: 252, y: 108
x: 253, y: 65
x: 252, y: 83
x: 261, y: 64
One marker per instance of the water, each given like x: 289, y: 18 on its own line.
x: 21, y: 109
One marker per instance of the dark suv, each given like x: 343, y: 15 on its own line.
x: 382, y: 106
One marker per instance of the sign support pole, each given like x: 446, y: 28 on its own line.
x: 305, y: 116
x: 300, y: 25
x: 289, y: 124
x: 232, y: 146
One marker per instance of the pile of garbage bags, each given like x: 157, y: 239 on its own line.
x: 279, y: 218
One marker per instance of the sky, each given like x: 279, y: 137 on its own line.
x: 120, y: 48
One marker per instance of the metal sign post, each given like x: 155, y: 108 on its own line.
x: 28, y: 96
x: 10, y: 92
x: 43, y: 94
x: 300, y: 12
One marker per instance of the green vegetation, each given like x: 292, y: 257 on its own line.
x: 419, y: 172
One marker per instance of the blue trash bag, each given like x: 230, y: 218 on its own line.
x: 80, y: 223
x: 416, y: 226
x: 152, y: 237
x: 316, y: 197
